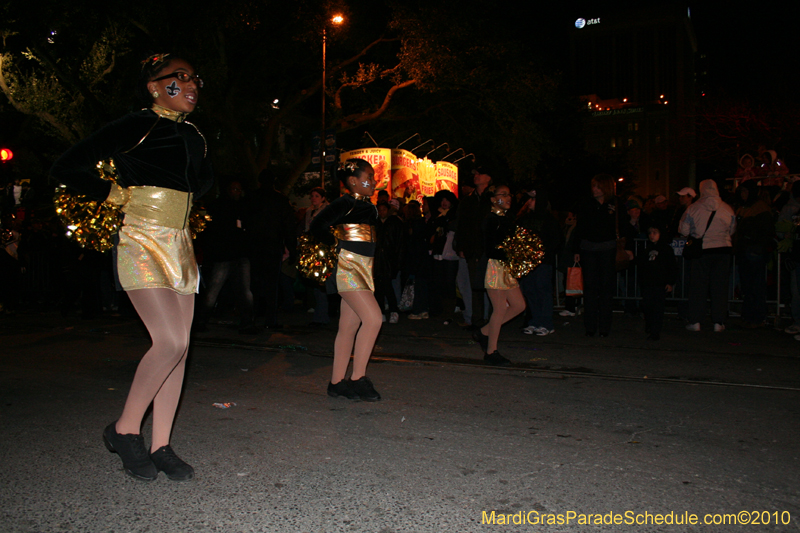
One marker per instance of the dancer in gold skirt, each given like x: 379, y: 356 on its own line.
x: 352, y: 218
x: 162, y: 165
x: 504, y: 292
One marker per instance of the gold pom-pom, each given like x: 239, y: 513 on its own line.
x: 315, y: 260
x: 524, y: 252
x: 90, y: 223
x: 93, y: 224
x: 198, y: 218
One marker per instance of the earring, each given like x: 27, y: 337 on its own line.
x: 155, y: 94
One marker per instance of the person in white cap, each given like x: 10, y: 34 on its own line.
x: 685, y: 198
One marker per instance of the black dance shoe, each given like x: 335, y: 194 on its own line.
x: 343, y: 388
x: 495, y: 359
x: 173, y: 466
x: 130, y: 448
x: 364, y: 390
x: 481, y: 339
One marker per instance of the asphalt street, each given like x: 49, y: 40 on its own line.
x: 578, y: 430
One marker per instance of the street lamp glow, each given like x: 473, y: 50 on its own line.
x: 337, y: 19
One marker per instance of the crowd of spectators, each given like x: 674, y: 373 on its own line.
x: 430, y: 260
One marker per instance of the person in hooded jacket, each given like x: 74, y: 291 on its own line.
x: 711, y: 271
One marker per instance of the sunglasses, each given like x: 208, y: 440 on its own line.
x: 184, y: 77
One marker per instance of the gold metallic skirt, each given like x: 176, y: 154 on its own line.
x: 354, y: 272
x: 498, y: 277
x: 155, y: 248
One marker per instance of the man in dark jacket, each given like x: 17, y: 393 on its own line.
x: 537, y: 287
x: 388, y: 250
x: 225, y: 250
x: 271, y: 235
x: 753, y: 243
x: 468, y: 240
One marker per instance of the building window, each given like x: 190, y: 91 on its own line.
x: 636, y: 126
x: 630, y: 126
x: 613, y: 142
x: 630, y: 141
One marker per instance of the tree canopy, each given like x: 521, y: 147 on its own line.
x: 394, y: 68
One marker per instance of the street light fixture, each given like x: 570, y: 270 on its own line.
x: 335, y: 20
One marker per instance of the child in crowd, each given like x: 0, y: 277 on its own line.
x: 658, y: 270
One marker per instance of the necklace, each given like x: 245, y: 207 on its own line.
x: 361, y: 197
x: 163, y: 112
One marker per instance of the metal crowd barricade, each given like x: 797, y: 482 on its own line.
x: 628, y: 283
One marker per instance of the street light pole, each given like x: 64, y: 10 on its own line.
x: 322, y: 131
x: 337, y: 19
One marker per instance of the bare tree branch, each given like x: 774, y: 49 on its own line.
x: 354, y: 120
x: 265, y: 151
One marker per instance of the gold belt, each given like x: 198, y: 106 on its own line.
x: 355, y: 232
x: 160, y: 206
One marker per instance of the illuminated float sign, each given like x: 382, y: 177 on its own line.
x: 427, y: 177
x: 447, y: 177
x: 405, y: 176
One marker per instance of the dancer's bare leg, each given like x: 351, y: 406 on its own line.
x: 359, y: 308
x: 506, y: 304
x: 168, y: 318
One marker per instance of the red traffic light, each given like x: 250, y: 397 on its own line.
x: 6, y: 154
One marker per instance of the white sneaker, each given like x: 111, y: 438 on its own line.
x: 544, y: 331
x: 693, y: 327
x: 570, y: 313
x: 793, y: 329
x: 393, y: 318
x: 719, y: 328
x: 530, y: 330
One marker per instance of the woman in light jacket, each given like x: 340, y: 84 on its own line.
x: 711, y: 271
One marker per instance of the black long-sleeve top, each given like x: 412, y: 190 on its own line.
x: 545, y: 226
x: 345, y: 210
x: 472, y: 212
x: 225, y: 238
x: 657, y: 265
x: 495, y: 229
x: 597, y: 225
x: 148, y: 150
